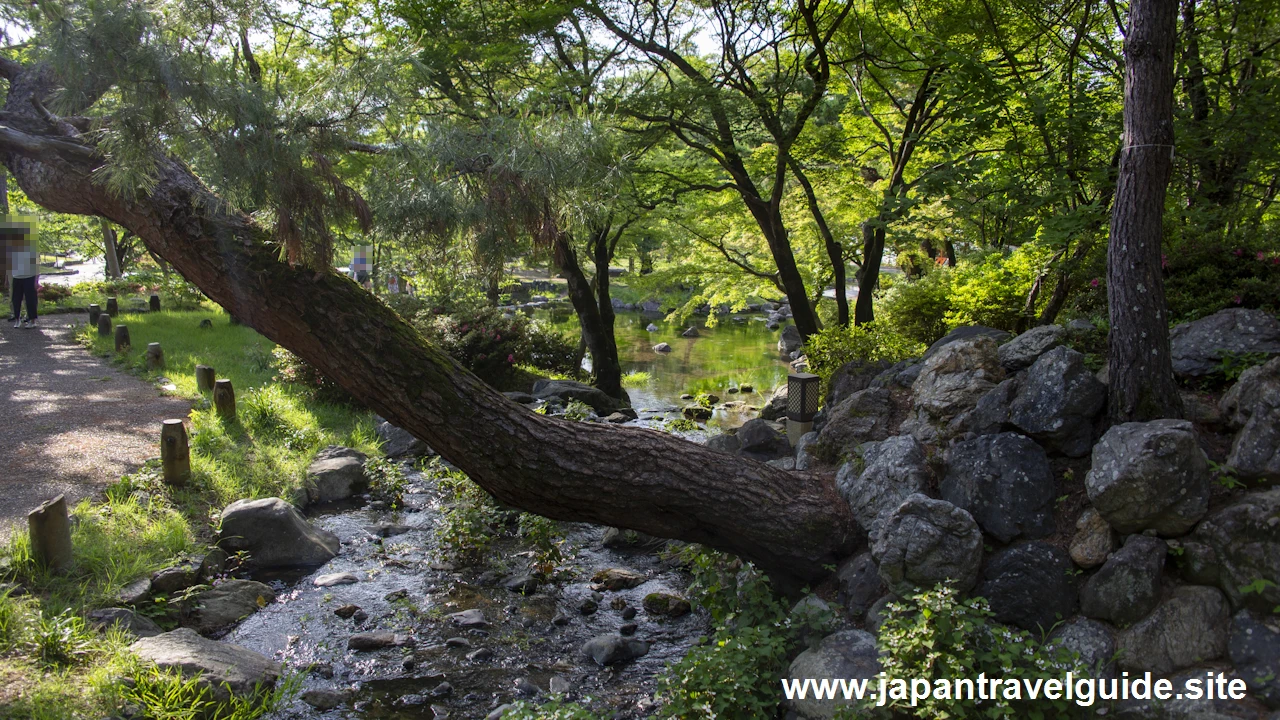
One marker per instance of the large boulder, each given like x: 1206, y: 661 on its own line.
x: 852, y: 377
x: 275, y: 534
x: 991, y: 414
x: 1252, y: 406
x: 398, y: 442
x: 1198, y: 347
x: 336, y: 473
x: 1029, y: 585
x: 1023, y: 350
x: 725, y: 443
x: 1188, y: 628
x: 862, y: 417
x: 614, y: 649
x: 226, y: 670
x: 1005, y: 482
x: 760, y: 440
x: 805, y: 459
x: 950, y: 384
x: 1127, y: 586
x: 226, y: 603
x: 566, y: 390
x: 859, y: 584
x: 924, y: 542
x: 1092, y: 641
x: 776, y: 407
x: 1242, y: 544
x: 965, y: 332
x: 1150, y: 476
x: 849, y: 655
x: 125, y: 619
x: 885, y: 475
x: 790, y: 340
x: 1254, y: 649
x: 1057, y: 402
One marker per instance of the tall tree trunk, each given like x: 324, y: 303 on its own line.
x: 602, y: 254
x: 769, y: 218
x: 110, y: 252
x: 1139, y: 365
x: 872, y: 254
x: 598, y: 335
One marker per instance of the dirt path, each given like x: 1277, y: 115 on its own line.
x: 69, y: 422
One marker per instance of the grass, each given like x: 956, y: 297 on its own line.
x: 636, y: 379
x: 143, y: 525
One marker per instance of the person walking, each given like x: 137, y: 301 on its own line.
x: 24, y: 273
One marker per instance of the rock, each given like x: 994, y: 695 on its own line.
x: 1185, y: 708
x: 745, y: 388
x: 847, y: 655
x: 1127, y: 587
x: 365, y: 642
x: 666, y: 604
x: 950, y: 384
x: 859, y: 583
x: 213, y: 565
x: 786, y: 463
x: 1189, y: 627
x: 760, y: 440
x: 323, y: 700
x: 333, y: 579
x: 1057, y: 402
x: 616, y: 418
x: 523, y: 398
x: 1094, y: 540
x: 628, y: 613
x: 1150, y: 476
x: 227, y: 603
x: 1254, y: 649
x: 386, y: 530
x: 852, y: 377
x: 879, y: 613
x: 1253, y: 406
x: 776, y: 407
x: 524, y: 584
x: 690, y: 333
x: 965, y: 332
x: 628, y: 629
x: 696, y: 412
x: 135, y: 592
x: 473, y: 618
x: 652, y: 328
x: 1029, y: 585
x: 662, y: 348
x: 1092, y: 641
x: 862, y: 417
x: 613, y: 649
x: 724, y: 443
x: 398, y: 442
x: 559, y: 685
x: 174, y: 579
x: 1004, y: 482
x: 804, y: 458
x: 223, y: 668
x: 1198, y: 347
x: 480, y: 655
x: 458, y: 642
x: 566, y: 390
x: 275, y: 534
x: 618, y: 539
x: 991, y: 414
x: 346, y: 611
x: 1243, y: 541
x: 336, y: 473
x: 499, y: 712
x: 925, y: 542
x: 790, y: 341
x: 127, y: 620
x: 885, y: 475
x: 588, y: 607
x: 1023, y: 350
x: 616, y: 579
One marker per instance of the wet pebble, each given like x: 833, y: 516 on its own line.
x: 525, y: 686
x: 444, y: 689
x: 374, y: 640
x: 472, y: 618
x: 560, y: 620
x: 587, y: 607
x: 628, y: 613
x: 629, y: 629
x: 407, y: 663
x: 323, y: 699
x: 346, y: 611
x: 560, y: 685
x: 457, y: 642
x: 481, y: 655
x: 360, y: 616
x: 395, y: 595
x: 498, y: 712
x: 333, y: 579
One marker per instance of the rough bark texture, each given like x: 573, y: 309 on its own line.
x: 872, y: 253
x: 1139, y: 364
x: 790, y: 524
x: 594, y: 310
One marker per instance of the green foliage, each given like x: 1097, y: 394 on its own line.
x: 387, y: 481
x: 1233, y: 364
x: 543, y: 534
x: 294, y: 370
x: 681, y: 424
x: 833, y: 347
x: 490, y: 343
x: 165, y: 695
x: 471, y: 519
x: 992, y: 290
x: 577, y: 411
x: 703, y: 400
x: 636, y: 379
x: 62, y: 639
x: 553, y: 709
x: 918, y: 308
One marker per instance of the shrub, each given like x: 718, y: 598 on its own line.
x: 292, y: 369
x: 833, y: 347
x: 470, y: 519
x: 62, y: 639
x: 1202, y: 279
x: 53, y: 293
x: 387, y: 481
x: 491, y: 343
x: 992, y: 290
x: 918, y: 308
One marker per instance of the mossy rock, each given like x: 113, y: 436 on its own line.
x: 665, y: 604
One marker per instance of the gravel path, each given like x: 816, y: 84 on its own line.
x: 69, y: 422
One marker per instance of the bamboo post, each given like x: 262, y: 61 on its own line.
x: 113, y: 307
x: 50, y: 531
x: 155, y: 356
x: 153, y: 303
x: 205, y: 377
x: 175, y: 453
x: 122, y: 338
x: 104, y: 324
x: 224, y: 399
x: 94, y: 312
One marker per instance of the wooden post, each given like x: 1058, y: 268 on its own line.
x: 122, y: 338
x: 155, y: 356
x: 204, y: 378
x: 113, y: 307
x: 224, y: 399
x: 50, y: 531
x: 153, y: 304
x: 94, y: 312
x: 175, y: 453
x: 104, y: 324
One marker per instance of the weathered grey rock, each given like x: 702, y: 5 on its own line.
x: 175, y: 578
x: 662, y: 347
x: 1244, y: 540
x: 616, y: 579
x: 1092, y: 641
x: 848, y: 654
x: 336, y: 473
x: 776, y: 408
x: 1254, y: 649
x: 566, y: 390
x: 790, y: 341
x: 398, y: 442
x: 950, y: 384
x: 126, y: 619
x: 618, y: 539
x: 1094, y: 540
x: 786, y: 463
x: 367, y: 641
x: 323, y: 699
x: 522, y: 583
x: 213, y: 565
x: 135, y: 592
x: 333, y: 579
x: 1188, y: 628
x: 1127, y: 586
x: 666, y: 604
x: 1253, y: 406
x: 614, y: 649
x: 1004, y: 482
x: 473, y: 618
x: 691, y: 332
x: 859, y: 583
x: 523, y: 398
x: 275, y: 534
x: 1198, y: 347
x: 862, y: 417
x: 882, y: 477
x: 1150, y: 476
x: 652, y: 328
x: 223, y: 668
x: 879, y: 613
x: 1025, y: 349
x: 852, y: 377
x: 651, y: 306
x: 804, y: 458
x: 1057, y: 402
x: 925, y: 542
x: 991, y: 414
x: 965, y: 332
x: 227, y: 603
x: 760, y: 440
x: 1029, y: 585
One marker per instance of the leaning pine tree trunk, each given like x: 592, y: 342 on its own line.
x: 1140, y: 368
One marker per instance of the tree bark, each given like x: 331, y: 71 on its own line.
x: 1139, y: 364
x: 872, y: 253
x: 792, y: 525
x: 110, y: 254
x: 596, y: 332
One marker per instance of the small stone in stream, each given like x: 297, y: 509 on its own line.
x: 324, y: 670
x: 373, y: 641
x: 386, y: 531
x: 407, y: 663
x: 458, y: 642
x: 616, y: 579
x: 481, y: 655
x: 618, y: 603
x: 411, y: 700
x: 611, y: 649
x: 528, y: 622
x: 360, y: 616
x: 560, y: 620
x: 323, y: 700
x: 439, y: 712
x: 597, y: 598
x: 525, y: 686
x: 666, y: 604
x: 444, y: 689
x: 559, y: 685
x: 346, y: 611
x: 629, y: 629
x: 628, y: 613
x: 395, y: 595
x: 473, y: 618
x: 686, y: 396
x: 522, y: 584
x: 333, y: 579
x: 501, y: 710
x: 747, y: 388
x: 587, y: 607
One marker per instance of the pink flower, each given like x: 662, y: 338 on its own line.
x: 1238, y: 299
x: 497, y: 337
x: 1239, y: 252
x: 1262, y: 255
x: 1164, y: 261
x: 511, y: 358
x: 1093, y: 282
